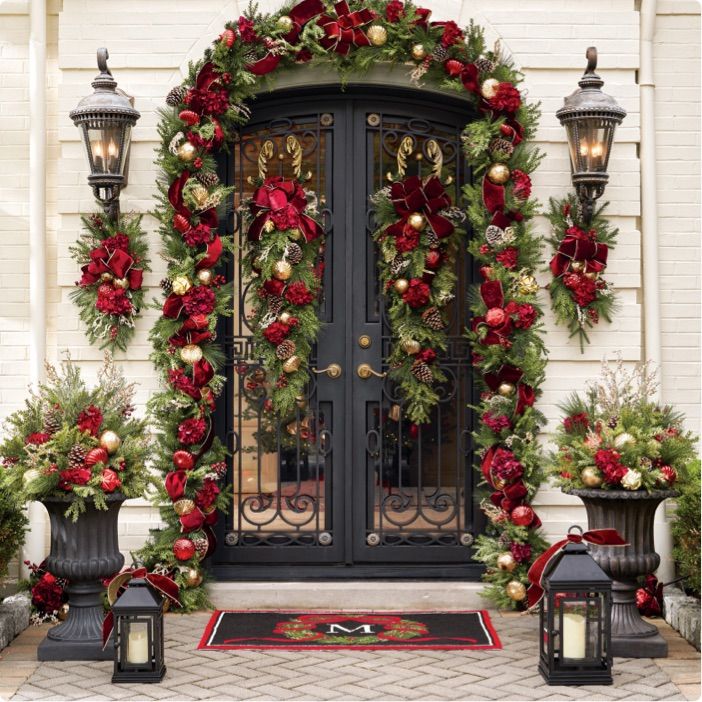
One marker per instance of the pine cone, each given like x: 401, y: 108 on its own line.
x: 397, y: 265
x: 494, y: 235
x: 501, y: 148
x: 76, y: 456
x: 433, y: 319
x: 285, y: 349
x: 275, y: 304
x: 432, y: 238
x: 52, y: 420
x: 439, y: 53
x: 167, y: 286
x: 294, y: 253
x: 176, y: 96
x: 208, y: 178
x: 484, y: 65
x: 422, y: 372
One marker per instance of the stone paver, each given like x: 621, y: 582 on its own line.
x: 507, y: 674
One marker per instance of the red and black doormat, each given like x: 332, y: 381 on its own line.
x: 334, y: 630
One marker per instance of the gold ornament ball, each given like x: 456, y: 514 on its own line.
x: 377, y: 35
x: 187, y: 151
x: 121, y: 283
x: 282, y: 270
x: 292, y: 364
x: 284, y: 317
x: 506, y: 562
x: 301, y: 401
x: 401, y: 285
x: 410, y: 346
x: 181, y: 284
x: 62, y: 613
x: 291, y: 428
x: 528, y: 285
x: 183, y: 506
x: 591, y: 477
x: 419, y: 53
x: 498, y: 173
x: 506, y: 389
x: 499, y: 483
x: 190, y: 354
x: 193, y: 577
x: 205, y: 276
x: 592, y: 275
x: 489, y: 88
x: 577, y: 266
x: 417, y: 221
x: 107, y: 277
x: 515, y: 590
x: 110, y: 441
x: 285, y: 24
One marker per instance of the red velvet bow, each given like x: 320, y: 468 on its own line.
x: 193, y: 331
x: 426, y: 197
x: 265, y: 65
x: 300, y: 15
x: 493, y: 297
x: 282, y: 199
x: 578, y: 245
x: 510, y: 374
x: 468, y: 73
x: 344, y: 30
x: 422, y: 14
x: 600, y: 537
x: 167, y: 587
x: 118, y: 263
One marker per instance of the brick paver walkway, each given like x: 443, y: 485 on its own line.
x: 507, y: 674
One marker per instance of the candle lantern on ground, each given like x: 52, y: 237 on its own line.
x: 575, y: 635
x: 138, y: 634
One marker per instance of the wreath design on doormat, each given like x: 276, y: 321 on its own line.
x: 204, y: 114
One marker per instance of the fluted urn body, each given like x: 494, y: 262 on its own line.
x: 631, y: 513
x: 84, y: 552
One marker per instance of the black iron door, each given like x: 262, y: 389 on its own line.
x: 346, y: 486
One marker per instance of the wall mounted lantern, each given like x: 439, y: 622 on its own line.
x: 590, y: 118
x: 105, y: 120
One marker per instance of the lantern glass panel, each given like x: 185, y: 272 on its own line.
x: 136, y: 638
x: 107, y: 145
x: 578, y: 623
x: 589, y: 142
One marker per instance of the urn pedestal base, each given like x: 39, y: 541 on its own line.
x: 632, y: 637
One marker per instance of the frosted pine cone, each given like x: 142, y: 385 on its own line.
x: 76, y: 456
x: 432, y: 238
x: 275, y: 304
x: 176, y: 96
x: 439, y: 53
x: 52, y: 420
x: 433, y: 319
x: 484, y: 65
x: 501, y: 149
x: 167, y: 286
x: 494, y: 235
x: 397, y: 265
x: 294, y: 253
x: 208, y: 178
x: 285, y: 349
x: 422, y: 372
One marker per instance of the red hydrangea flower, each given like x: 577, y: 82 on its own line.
x: 452, y: 34
x: 211, y: 101
x: 37, y: 438
x: 505, y: 466
x: 526, y: 316
x: 506, y: 98
x: 274, y: 287
x: 73, y: 476
x: 47, y: 594
x: 521, y: 184
x: 118, y: 241
x: 408, y: 240
x: 199, y: 300
x: 298, y: 294
x: 394, y: 10
x: 201, y: 234
x: 417, y: 295
x: 110, y: 480
x: 521, y: 552
x: 607, y: 460
x: 426, y: 355
x: 276, y: 332
x: 576, y: 423
x: 207, y: 494
x: 286, y: 217
x: 191, y: 431
x: 180, y: 381
x: 583, y: 289
x: 508, y: 257
x: 90, y: 420
x: 246, y: 29
x: 496, y: 423
x: 113, y: 301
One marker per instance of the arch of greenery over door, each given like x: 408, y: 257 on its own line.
x: 508, y: 355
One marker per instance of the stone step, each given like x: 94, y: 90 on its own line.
x: 354, y: 595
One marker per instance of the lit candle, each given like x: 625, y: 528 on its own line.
x: 138, y: 644
x: 112, y: 157
x: 573, y: 636
x: 584, y: 150
x: 99, y: 157
x: 596, y: 153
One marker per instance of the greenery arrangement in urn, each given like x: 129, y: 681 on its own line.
x: 71, y: 440
x: 617, y: 437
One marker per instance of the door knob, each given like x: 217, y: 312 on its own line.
x: 333, y: 370
x: 365, y: 371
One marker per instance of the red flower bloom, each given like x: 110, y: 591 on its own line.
x: 669, y: 474
x: 118, y: 241
x: 452, y: 34
x: 201, y: 234
x: 521, y: 184
x: 506, y: 98
x: 527, y: 316
x: 191, y: 431
x: 508, y: 257
x: 199, y: 300
x: 583, y: 289
x: 394, y: 10
x: 90, y: 420
x: 607, y: 460
x: 37, y: 438
x: 286, y: 217
x: 298, y: 294
x: 113, y: 300
x: 207, y: 494
x: 246, y: 29
x: 417, y: 294
x: 211, y: 101
x: 110, y: 480
x: 408, y: 240
x: 73, y: 476
x: 180, y: 381
x: 576, y: 423
x: 496, y: 424
x: 47, y: 594
x: 505, y: 466
x: 274, y: 287
x: 276, y: 332
x: 426, y: 355
x: 521, y: 552
x: 495, y: 317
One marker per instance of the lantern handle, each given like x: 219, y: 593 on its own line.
x: 578, y: 527
x: 591, y: 56
x: 102, y: 56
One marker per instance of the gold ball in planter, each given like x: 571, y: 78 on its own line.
x: 110, y: 441
x: 401, y: 285
x: 292, y: 364
x: 183, y: 506
x: 505, y: 561
x: 62, y: 613
x: 417, y: 221
x: 205, y: 276
x: 187, y: 151
x: 284, y: 317
x: 419, y: 52
x: 285, y: 24
x: 506, y: 389
x: 193, y: 577
x: 489, y: 88
x: 282, y: 270
x: 498, y: 173
x: 190, y: 354
x: 181, y: 284
x: 591, y: 477
x: 515, y: 590
x: 410, y: 346
x: 121, y: 283
x: 377, y: 35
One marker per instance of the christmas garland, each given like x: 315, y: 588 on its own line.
x: 205, y: 114
x: 418, y: 242
x: 284, y: 268
x: 580, y: 297
x: 113, y: 258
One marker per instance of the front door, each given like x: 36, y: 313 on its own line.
x: 346, y: 486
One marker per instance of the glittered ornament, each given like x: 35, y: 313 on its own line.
x: 527, y: 285
x: 506, y: 562
x: 122, y: 283
x: 506, y: 389
x: 592, y: 275
x: 498, y: 173
x: 284, y: 317
x: 282, y: 270
x: 202, y: 544
x: 110, y: 441
x: 285, y: 24
x: 205, y: 276
x: 291, y: 364
x: 192, y: 577
x: 183, y: 548
x: 515, y: 590
x: 416, y: 221
x: 631, y: 480
x: 523, y: 515
x: 418, y: 52
x: 181, y: 284
x: 183, y: 506
x: 190, y: 354
x: 95, y: 456
x: 183, y: 460
x: 577, y: 266
x: 591, y: 477
x: 186, y: 152
x: 377, y: 35
x: 62, y: 613
x: 401, y: 285
x: 200, y: 195
x: 488, y: 89
x: 107, y: 277
x: 410, y: 346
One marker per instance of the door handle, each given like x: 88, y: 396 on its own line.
x: 365, y: 371
x: 333, y: 370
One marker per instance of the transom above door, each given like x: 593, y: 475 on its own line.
x: 346, y: 486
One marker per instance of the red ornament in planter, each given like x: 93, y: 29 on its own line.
x: 183, y: 460
x: 96, y: 455
x: 183, y: 549
x: 522, y: 515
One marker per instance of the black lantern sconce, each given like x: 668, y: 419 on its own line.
x: 105, y: 120
x: 590, y: 118
x: 138, y: 635
x: 575, y: 632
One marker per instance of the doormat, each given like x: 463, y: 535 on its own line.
x: 338, y: 630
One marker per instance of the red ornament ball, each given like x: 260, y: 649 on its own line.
x: 183, y: 549
x: 183, y: 460
x: 433, y: 260
x: 522, y: 515
x: 96, y: 455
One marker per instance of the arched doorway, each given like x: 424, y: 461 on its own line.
x: 346, y: 487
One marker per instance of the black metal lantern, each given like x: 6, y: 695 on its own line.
x: 105, y: 119
x: 575, y: 641
x: 590, y: 118
x: 138, y: 634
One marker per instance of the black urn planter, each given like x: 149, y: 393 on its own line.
x: 84, y: 552
x: 631, y: 513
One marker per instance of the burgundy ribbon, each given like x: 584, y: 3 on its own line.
x: 578, y: 245
x: 422, y: 14
x: 468, y: 73
x: 493, y: 297
x: 427, y: 197
x: 345, y: 30
x: 265, y: 65
x: 300, y: 15
x: 118, y: 263
x: 193, y: 331
x: 600, y: 537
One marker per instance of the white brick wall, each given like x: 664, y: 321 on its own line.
x: 150, y: 42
